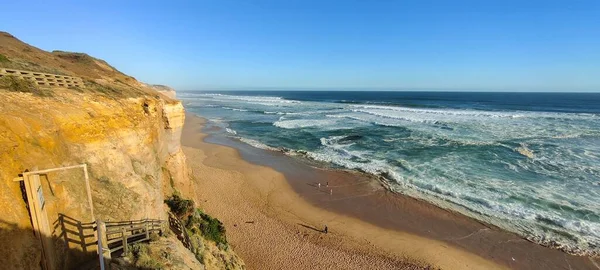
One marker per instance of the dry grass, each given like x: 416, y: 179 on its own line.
x: 98, y: 75
x: 139, y: 255
x: 16, y: 84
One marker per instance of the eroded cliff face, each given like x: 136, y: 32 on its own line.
x: 178, y: 175
x: 131, y: 147
x: 125, y: 131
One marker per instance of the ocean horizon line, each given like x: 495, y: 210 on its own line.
x: 385, y: 90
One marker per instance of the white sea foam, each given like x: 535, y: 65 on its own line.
x: 303, y: 123
x: 252, y: 99
x: 231, y: 131
x: 464, y: 113
x: 268, y: 112
x: 257, y: 144
x: 234, y: 109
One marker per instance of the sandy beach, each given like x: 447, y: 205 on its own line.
x: 274, y: 218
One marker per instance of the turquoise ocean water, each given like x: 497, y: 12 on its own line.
x: 526, y: 162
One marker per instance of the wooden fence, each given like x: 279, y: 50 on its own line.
x: 180, y: 231
x: 115, y: 236
x: 44, y: 79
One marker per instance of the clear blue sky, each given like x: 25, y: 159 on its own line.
x: 524, y: 45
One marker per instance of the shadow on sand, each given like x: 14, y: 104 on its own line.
x: 310, y: 227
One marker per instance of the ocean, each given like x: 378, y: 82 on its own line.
x: 525, y: 162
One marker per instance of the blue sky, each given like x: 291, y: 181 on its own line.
x: 385, y: 45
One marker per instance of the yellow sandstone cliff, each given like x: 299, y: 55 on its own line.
x: 126, y: 132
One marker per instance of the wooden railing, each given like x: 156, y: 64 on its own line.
x: 179, y: 230
x: 115, y: 236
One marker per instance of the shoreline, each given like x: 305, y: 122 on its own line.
x: 405, y: 227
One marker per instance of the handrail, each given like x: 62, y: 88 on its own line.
x: 123, y: 233
x: 133, y: 221
x: 180, y: 231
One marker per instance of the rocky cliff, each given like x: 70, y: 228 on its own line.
x: 126, y: 132
x: 165, y: 90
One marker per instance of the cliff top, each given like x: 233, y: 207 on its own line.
x: 98, y: 75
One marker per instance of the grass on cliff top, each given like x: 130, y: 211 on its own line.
x: 112, y: 90
x: 16, y: 84
x: 15, y: 63
x: 74, y: 57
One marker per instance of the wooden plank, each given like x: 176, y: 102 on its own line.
x: 116, y: 248
x: 114, y: 231
x: 103, y: 250
x: 124, y: 241
x: 88, y: 191
x: 112, y: 241
x: 147, y: 232
x: 133, y: 221
x: 136, y: 235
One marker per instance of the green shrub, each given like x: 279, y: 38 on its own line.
x: 16, y: 84
x: 179, y: 206
x: 3, y: 59
x: 211, y: 228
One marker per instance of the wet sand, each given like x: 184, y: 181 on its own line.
x: 370, y: 227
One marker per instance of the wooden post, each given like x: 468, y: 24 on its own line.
x: 103, y: 250
x: 81, y: 236
x: 39, y: 217
x: 124, y: 233
x: 88, y: 190
x: 147, y: 231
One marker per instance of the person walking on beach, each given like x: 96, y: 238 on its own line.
x: 325, y: 230
x: 319, y: 185
x: 327, y: 184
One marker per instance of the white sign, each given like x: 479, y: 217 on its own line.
x: 40, y: 194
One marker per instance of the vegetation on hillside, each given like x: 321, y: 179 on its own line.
x: 139, y: 255
x: 16, y: 84
x: 182, y: 208
x: 74, y: 57
x: 196, y: 221
x: 111, y: 90
x: 200, y: 226
x: 99, y: 77
x: 211, y: 228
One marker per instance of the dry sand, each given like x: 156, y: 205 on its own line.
x: 271, y: 226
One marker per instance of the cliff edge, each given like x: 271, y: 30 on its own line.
x: 126, y: 132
